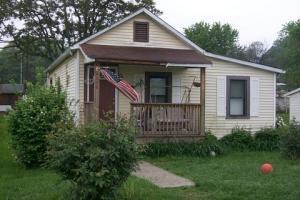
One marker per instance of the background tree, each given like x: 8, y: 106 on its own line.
x: 215, y: 38
x: 44, y: 29
x: 253, y: 52
x: 285, y: 53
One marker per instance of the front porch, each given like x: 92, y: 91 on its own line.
x: 171, y: 84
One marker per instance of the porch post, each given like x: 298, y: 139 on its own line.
x: 202, y: 100
x: 97, y: 92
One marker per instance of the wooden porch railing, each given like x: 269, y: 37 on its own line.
x: 167, y: 119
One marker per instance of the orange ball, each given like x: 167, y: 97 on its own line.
x: 266, y: 168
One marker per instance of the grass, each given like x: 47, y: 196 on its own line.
x: 17, y: 182
x: 234, y: 176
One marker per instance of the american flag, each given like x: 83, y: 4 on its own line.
x: 123, y: 86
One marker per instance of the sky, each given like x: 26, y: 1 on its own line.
x: 256, y: 20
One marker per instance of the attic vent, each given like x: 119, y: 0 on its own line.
x: 141, y: 32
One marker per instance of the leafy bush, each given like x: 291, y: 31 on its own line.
x: 96, y: 158
x: 290, y: 141
x: 266, y: 139
x: 206, y: 147
x: 32, y: 118
x: 238, y: 139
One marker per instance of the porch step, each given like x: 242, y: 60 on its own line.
x: 161, y: 177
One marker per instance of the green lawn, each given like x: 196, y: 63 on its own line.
x: 235, y: 176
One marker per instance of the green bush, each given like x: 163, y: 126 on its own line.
x: 266, y: 139
x: 33, y: 117
x: 239, y: 139
x: 96, y: 158
x: 290, y: 141
x: 206, y: 147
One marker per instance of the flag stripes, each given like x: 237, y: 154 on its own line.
x: 123, y: 86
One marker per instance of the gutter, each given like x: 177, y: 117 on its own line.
x: 188, y: 65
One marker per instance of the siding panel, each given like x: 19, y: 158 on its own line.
x: 295, y: 107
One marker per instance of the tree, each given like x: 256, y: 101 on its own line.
x: 215, y: 38
x: 285, y: 52
x: 49, y: 27
x: 11, y: 59
x: 255, y: 51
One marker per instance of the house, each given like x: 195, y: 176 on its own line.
x: 9, y: 94
x: 184, y: 89
x: 294, y: 98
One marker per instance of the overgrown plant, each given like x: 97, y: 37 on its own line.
x: 208, y: 146
x: 40, y: 112
x: 267, y: 139
x: 290, y: 141
x: 238, y: 139
x: 96, y: 158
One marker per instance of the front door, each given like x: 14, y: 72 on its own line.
x: 106, y: 99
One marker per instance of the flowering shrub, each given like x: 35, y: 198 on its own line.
x: 40, y: 112
x: 280, y: 122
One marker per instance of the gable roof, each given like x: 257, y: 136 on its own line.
x: 11, y: 88
x: 172, y: 30
x: 292, y: 92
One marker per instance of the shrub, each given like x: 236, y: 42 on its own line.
x: 206, y: 147
x: 290, y: 141
x: 32, y: 118
x: 96, y: 158
x: 238, y: 139
x: 266, y: 139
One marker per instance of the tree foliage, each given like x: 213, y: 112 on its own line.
x: 41, y: 112
x: 285, y: 53
x: 11, y: 61
x: 96, y: 158
x: 215, y: 38
x: 49, y: 27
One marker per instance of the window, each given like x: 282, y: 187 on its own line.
x: 158, y: 87
x: 51, y: 81
x: 141, y: 32
x: 238, y: 101
x: 89, y: 84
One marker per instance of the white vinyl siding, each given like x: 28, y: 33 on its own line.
x: 122, y: 35
x: 216, y: 120
x: 68, y: 76
x: 295, y: 107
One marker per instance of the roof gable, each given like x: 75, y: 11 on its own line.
x: 292, y: 92
x: 123, y: 35
x: 169, y: 29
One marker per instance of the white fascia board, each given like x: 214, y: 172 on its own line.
x: 292, y: 92
x: 86, y: 58
x: 258, y: 66
x: 188, y: 65
x: 108, y: 28
x: 174, y: 31
x: 60, y: 59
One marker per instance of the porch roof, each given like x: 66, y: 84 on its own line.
x: 159, y: 56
